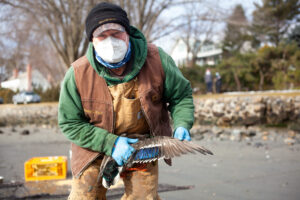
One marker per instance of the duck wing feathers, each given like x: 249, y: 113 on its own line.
x: 151, y: 149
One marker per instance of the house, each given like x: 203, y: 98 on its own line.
x: 209, y: 53
x: 26, y: 81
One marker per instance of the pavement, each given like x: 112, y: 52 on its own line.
x: 239, y: 170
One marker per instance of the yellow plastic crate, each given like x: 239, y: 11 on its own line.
x: 45, y: 168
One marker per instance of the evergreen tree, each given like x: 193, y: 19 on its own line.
x: 294, y: 36
x: 262, y: 64
x: 237, y: 73
x: 235, y: 32
x: 272, y: 19
x: 286, y: 67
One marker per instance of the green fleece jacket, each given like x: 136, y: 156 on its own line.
x: 74, y: 124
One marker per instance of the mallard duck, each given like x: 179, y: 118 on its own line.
x: 147, y: 150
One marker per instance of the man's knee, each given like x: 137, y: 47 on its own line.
x: 86, y: 186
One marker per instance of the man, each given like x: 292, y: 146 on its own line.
x: 208, y: 81
x: 218, y: 82
x: 121, y: 87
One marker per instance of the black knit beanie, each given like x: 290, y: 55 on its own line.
x: 104, y: 13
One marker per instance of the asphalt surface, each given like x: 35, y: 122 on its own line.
x: 250, y: 170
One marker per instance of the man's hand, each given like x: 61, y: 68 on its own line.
x: 182, y: 134
x: 122, y: 149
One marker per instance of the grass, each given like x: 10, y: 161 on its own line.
x: 247, y: 94
x: 30, y: 104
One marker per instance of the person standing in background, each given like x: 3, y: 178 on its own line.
x: 218, y: 82
x: 208, y: 81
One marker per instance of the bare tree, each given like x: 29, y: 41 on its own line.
x: 147, y: 16
x: 13, y: 45
x: 45, y: 59
x: 199, y: 28
x: 25, y: 44
x: 61, y: 21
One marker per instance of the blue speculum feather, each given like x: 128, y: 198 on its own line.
x: 147, y: 153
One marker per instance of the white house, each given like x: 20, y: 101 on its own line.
x: 209, y: 53
x: 26, y: 81
x: 179, y: 53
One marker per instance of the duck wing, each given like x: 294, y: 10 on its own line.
x: 151, y: 149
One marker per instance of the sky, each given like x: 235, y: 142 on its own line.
x: 167, y: 43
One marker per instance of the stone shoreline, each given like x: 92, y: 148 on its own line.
x: 222, y: 111
x: 247, y: 110
x: 40, y: 114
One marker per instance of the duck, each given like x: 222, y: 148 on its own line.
x: 147, y: 150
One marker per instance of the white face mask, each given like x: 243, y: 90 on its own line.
x: 111, y: 50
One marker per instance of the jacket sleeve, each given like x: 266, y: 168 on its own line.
x: 178, y: 93
x: 75, y: 125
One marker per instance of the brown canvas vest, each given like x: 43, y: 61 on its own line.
x: 98, y: 106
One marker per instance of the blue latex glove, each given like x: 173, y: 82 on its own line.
x: 182, y: 134
x: 122, y: 149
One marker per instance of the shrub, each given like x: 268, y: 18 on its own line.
x: 6, y: 94
x: 50, y: 95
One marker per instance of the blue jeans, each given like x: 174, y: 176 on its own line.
x: 209, y: 87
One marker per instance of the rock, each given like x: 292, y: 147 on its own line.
x: 195, y: 131
x: 289, y: 141
x: 198, y: 137
x: 224, y: 121
x: 258, y: 99
x: 259, y: 107
x: 265, y: 137
x: 218, y: 109
x: 203, y: 131
x: 224, y: 137
x: 238, y: 108
x: 217, y: 131
x: 276, y: 111
x: 292, y: 134
x: 251, y: 133
x: 199, y: 130
x: 251, y: 120
x: 235, y: 135
x: 258, y: 144
x: 25, y: 132
x: 265, y: 133
x: 232, y: 105
x: 209, y: 103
